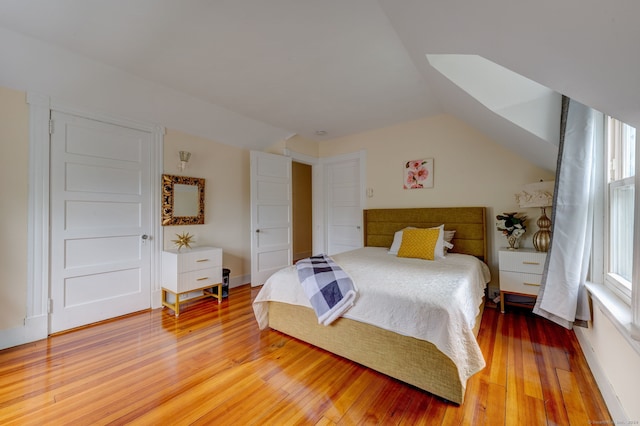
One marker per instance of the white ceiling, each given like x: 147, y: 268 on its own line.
x: 347, y: 66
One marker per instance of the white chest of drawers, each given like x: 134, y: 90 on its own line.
x: 520, y: 273
x: 191, y: 270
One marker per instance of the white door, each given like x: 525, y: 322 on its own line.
x: 344, y: 205
x: 271, y: 246
x: 100, y: 221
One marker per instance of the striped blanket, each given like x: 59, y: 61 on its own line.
x: 330, y: 290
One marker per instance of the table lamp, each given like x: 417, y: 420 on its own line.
x: 539, y: 194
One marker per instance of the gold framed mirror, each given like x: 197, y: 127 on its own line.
x: 182, y: 200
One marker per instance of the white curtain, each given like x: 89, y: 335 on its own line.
x: 562, y: 296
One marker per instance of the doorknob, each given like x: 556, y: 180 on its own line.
x: 257, y: 230
x: 145, y: 237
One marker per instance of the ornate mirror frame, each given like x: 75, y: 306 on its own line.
x: 168, y: 197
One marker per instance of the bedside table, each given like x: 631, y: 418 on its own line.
x: 520, y: 274
x: 197, y: 269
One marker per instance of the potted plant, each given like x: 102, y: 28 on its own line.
x: 513, y: 226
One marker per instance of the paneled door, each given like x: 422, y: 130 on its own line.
x: 271, y: 222
x: 344, y: 205
x: 100, y: 221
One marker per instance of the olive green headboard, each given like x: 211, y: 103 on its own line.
x: 469, y: 223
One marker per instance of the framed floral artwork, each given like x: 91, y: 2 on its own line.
x: 418, y: 174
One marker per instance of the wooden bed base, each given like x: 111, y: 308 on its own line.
x: 410, y: 360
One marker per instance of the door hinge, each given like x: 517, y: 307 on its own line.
x: 50, y: 306
x: 51, y: 127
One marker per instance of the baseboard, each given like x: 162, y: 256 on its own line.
x: 240, y: 280
x: 35, y: 328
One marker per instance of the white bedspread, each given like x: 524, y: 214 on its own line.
x: 436, y: 301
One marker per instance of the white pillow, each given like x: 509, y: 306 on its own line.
x: 438, y: 251
x: 397, y: 241
x: 448, y: 236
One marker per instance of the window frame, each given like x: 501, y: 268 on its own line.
x: 619, y: 284
x: 623, y: 288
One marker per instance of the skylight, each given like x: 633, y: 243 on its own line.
x: 524, y: 102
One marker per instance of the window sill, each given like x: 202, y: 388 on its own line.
x: 614, y: 308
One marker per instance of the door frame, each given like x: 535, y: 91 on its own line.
x: 317, y: 197
x: 319, y: 190
x: 36, y: 324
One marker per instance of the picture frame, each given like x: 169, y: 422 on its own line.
x: 182, y: 200
x: 418, y: 174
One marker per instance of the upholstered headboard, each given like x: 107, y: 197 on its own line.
x: 469, y: 223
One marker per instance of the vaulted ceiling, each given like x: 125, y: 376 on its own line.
x: 284, y: 67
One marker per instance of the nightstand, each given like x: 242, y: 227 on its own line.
x: 520, y: 274
x: 197, y: 269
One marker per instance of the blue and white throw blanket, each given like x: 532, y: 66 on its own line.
x: 329, y: 289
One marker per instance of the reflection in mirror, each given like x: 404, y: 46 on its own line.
x: 182, y: 200
x: 185, y: 200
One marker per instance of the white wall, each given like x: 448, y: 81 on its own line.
x: 227, y: 205
x: 31, y: 65
x: 14, y: 173
x: 613, y: 360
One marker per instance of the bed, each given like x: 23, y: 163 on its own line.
x: 398, y: 354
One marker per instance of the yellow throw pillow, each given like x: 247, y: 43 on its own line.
x: 419, y: 243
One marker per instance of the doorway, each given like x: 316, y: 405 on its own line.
x: 302, y: 206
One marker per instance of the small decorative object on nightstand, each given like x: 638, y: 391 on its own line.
x: 184, y: 240
x: 512, y: 226
x: 520, y: 275
x: 539, y: 194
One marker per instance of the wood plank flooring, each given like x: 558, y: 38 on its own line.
x: 213, y: 366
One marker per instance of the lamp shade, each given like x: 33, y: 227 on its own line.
x: 539, y: 194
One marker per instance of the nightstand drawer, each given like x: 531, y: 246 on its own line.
x: 201, y: 259
x: 522, y: 261
x: 518, y: 282
x: 187, y: 281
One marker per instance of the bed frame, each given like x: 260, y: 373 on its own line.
x: 408, y: 359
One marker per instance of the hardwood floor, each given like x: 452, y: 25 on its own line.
x: 213, y: 366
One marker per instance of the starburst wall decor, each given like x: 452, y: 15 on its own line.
x: 183, y: 240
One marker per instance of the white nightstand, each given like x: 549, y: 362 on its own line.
x: 191, y: 270
x: 520, y: 273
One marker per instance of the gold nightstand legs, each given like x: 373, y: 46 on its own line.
x: 206, y: 292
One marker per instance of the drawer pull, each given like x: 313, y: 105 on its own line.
x: 202, y: 279
x: 530, y: 263
x: 532, y: 284
x: 202, y: 260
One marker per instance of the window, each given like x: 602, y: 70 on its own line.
x: 621, y: 153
